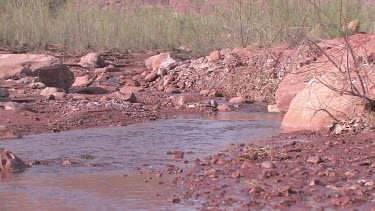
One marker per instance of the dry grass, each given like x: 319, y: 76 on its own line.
x: 78, y: 27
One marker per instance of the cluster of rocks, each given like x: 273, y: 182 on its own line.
x: 40, y: 89
x: 325, y: 173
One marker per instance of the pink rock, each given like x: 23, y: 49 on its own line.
x: 172, y: 90
x: 224, y: 108
x: 289, y: 87
x: 215, y: 56
x: 131, y: 89
x: 92, y: 60
x: 51, y: 71
x: 160, y: 61
x: 317, y: 107
x: 130, y: 97
x: 151, y: 76
x: 273, y: 109
x: 204, y: 92
x: 107, y: 69
x: 82, y: 81
x: 185, y: 99
x: 214, y: 93
x: 238, y: 100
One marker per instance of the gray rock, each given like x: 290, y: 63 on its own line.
x: 4, y: 93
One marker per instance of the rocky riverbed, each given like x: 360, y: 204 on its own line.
x: 301, y: 171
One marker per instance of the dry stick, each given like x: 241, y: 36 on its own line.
x: 354, y: 92
x: 348, y: 70
x: 343, y: 91
x: 355, y: 64
x: 334, y: 63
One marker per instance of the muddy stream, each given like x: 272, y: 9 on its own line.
x: 104, y: 174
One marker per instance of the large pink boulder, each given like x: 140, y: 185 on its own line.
x: 325, y: 101
x: 291, y: 85
x: 331, y: 89
x: 51, y: 71
x: 288, y: 88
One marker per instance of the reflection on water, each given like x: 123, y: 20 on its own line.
x: 117, y: 151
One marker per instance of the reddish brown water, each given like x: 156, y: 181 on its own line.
x: 117, y: 151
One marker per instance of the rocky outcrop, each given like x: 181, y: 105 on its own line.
x: 50, y: 70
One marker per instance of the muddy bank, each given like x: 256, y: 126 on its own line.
x: 301, y: 171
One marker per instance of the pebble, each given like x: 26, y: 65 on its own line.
x: 316, y: 182
x: 67, y: 162
x: 351, y: 174
x: 176, y: 154
x: 175, y: 200
x: 314, y: 159
x: 268, y: 165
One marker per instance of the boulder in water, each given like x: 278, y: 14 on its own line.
x: 10, y: 161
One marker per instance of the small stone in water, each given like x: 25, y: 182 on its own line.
x: 67, y: 162
x: 175, y: 200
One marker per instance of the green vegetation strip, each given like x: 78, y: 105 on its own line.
x: 78, y: 26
